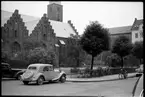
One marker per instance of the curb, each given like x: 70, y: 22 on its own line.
x: 99, y: 80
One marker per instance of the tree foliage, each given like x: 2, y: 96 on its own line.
x: 75, y: 51
x: 137, y: 50
x: 122, y: 47
x: 95, y: 39
x: 40, y: 55
x: 113, y: 60
x: 4, y: 56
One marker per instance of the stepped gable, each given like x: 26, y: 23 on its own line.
x: 15, y: 28
x: 71, y: 24
x: 43, y: 27
x: 136, y: 24
x: 5, y: 15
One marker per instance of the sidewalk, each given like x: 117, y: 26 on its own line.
x: 99, y: 79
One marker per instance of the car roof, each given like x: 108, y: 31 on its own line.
x: 5, y: 64
x: 40, y: 64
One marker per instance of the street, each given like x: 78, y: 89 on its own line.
x: 119, y: 88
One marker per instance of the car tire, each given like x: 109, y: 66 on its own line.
x: 62, y: 78
x: 40, y: 80
x: 25, y: 82
x: 18, y: 76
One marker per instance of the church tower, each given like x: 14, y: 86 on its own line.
x: 55, y: 11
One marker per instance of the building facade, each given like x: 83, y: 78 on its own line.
x: 137, y: 30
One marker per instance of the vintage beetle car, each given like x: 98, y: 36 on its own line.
x: 42, y: 72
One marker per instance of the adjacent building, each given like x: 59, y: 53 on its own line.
x: 137, y: 30
x: 133, y: 32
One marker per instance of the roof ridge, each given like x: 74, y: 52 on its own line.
x: 120, y: 26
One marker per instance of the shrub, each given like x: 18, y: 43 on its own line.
x: 74, y: 70
x: 95, y: 72
x: 21, y: 64
x: 40, y: 55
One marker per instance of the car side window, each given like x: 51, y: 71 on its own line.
x: 50, y: 68
x: 45, y: 68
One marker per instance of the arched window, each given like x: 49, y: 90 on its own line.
x: 44, y: 37
x: 15, y: 34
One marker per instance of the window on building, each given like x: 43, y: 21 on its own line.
x: 44, y: 36
x: 141, y: 34
x: 15, y: 33
x: 136, y: 35
x: 58, y: 17
x: 50, y: 9
x: 58, y: 9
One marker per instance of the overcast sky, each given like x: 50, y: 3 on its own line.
x: 109, y: 14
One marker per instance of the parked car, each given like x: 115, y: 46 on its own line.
x: 138, y: 90
x: 40, y: 73
x: 140, y: 69
x: 8, y: 72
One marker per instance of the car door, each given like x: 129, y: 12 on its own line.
x: 52, y: 73
x: 46, y: 73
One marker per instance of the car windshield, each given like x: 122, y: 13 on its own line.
x: 32, y: 68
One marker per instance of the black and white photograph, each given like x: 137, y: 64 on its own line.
x: 72, y: 48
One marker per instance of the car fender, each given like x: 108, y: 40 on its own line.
x: 19, y: 72
x: 60, y: 74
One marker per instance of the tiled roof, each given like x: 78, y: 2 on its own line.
x: 60, y: 28
x: 120, y: 30
x: 136, y: 24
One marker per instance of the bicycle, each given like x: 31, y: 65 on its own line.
x: 123, y: 74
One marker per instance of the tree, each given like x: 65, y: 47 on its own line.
x: 5, y: 56
x: 75, y: 51
x: 95, y: 40
x: 40, y: 55
x: 113, y: 60
x: 122, y: 47
x: 137, y: 50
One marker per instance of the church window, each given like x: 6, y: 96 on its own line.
x: 58, y: 9
x: 136, y: 35
x: 141, y: 34
x: 44, y: 37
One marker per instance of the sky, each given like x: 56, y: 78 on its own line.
x: 109, y: 14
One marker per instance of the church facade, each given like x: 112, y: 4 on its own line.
x: 49, y: 30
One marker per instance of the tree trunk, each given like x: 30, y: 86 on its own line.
x: 77, y: 62
x: 92, y: 62
x: 92, y: 65
x: 122, y: 62
x: 140, y: 61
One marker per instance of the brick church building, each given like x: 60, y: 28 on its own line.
x: 49, y: 30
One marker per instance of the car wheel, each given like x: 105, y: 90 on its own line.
x: 63, y: 79
x: 25, y: 82
x: 18, y: 76
x: 40, y: 80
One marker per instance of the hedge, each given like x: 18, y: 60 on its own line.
x: 21, y: 64
x: 85, y: 73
